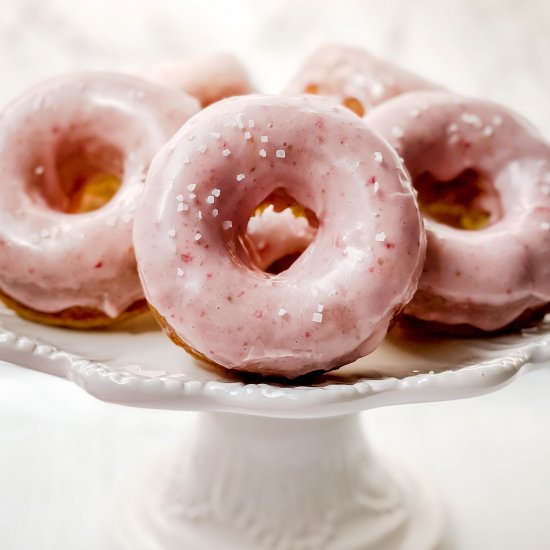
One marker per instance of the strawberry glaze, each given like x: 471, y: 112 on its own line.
x: 354, y: 78
x: 488, y: 277
x: 334, y: 304
x: 51, y: 260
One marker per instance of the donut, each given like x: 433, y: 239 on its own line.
x: 335, y: 302
x: 482, y: 175
x: 354, y: 77
x: 74, y: 152
x: 208, y: 78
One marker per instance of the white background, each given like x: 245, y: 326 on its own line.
x: 62, y: 452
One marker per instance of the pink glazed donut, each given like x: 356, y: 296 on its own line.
x: 354, y: 77
x: 63, y: 261
x: 483, y: 180
x: 334, y: 304
x: 209, y: 78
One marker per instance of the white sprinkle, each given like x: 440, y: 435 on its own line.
x: 376, y: 186
x: 431, y: 373
x: 469, y: 118
x: 127, y: 217
x: 240, y: 177
x: 452, y: 128
x: 247, y: 135
x: 111, y: 222
x: 397, y: 131
x: 215, y: 212
x: 216, y: 192
x: 191, y: 187
x: 264, y: 139
x: 282, y: 312
x: 317, y: 317
x: 239, y: 120
x: 226, y: 152
x: 172, y: 232
x: 378, y: 156
x: 414, y: 113
x: 180, y: 272
x: 251, y: 123
x: 202, y: 148
x: 497, y: 120
x: 320, y: 308
x: 198, y: 236
x: 230, y: 122
x: 280, y: 153
x: 262, y: 153
x: 227, y: 225
x: 185, y: 159
x: 179, y: 198
x: 488, y: 131
x: 39, y: 170
x: 210, y: 199
x: 216, y: 135
x: 44, y: 233
x: 380, y: 237
x: 199, y: 215
x: 182, y: 206
x: 545, y: 226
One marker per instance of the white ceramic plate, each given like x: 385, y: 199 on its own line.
x: 136, y: 364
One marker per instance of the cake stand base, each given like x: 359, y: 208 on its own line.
x: 250, y: 482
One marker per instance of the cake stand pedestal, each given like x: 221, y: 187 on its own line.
x: 248, y: 482
x: 272, y: 465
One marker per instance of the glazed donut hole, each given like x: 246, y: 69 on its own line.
x: 85, y: 174
x: 279, y: 204
x: 90, y: 174
x: 468, y: 201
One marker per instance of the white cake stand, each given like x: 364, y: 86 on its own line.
x: 271, y: 465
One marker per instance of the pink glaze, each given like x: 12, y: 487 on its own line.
x: 335, y: 302
x: 346, y: 73
x: 209, y: 78
x: 488, y: 277
x: 51, y: 260
x: 274, y: 235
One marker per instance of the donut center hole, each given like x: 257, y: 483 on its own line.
x: 279, y: 231
x: 89, y: 173
x: 468, y: 201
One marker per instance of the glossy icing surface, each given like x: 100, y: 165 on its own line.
x: 486, y: 277
x: 353, y: 77
x: 51, y: 260
x: 209, y: 78
x: 335, y: 302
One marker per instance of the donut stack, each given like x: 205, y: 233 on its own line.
x: 273, y: 234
